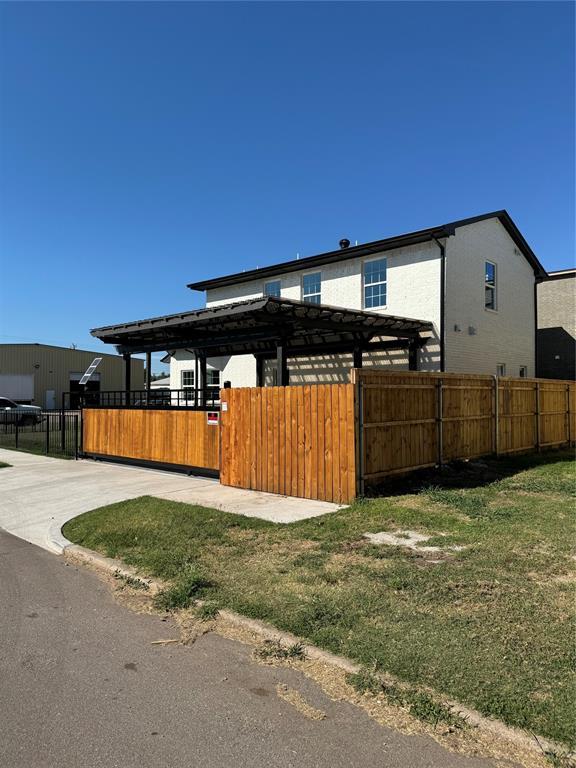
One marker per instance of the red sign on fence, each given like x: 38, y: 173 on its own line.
x: 213, y: 418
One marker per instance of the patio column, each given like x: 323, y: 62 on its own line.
x: 127, y: 376
x: 203, y: 378
x: 148, y: 370
x: 412, y: 355
x: 357, y: 357
x: 282, y: 378
x: 259, y: 371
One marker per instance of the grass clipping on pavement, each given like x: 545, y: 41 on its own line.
x: 488, y: 621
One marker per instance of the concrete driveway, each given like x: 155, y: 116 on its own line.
x: 39, y: 494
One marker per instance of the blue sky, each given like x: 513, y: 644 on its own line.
x: 145, y: 145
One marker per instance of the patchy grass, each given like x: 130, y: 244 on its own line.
x: 418, y: 703
x: 491, y: 625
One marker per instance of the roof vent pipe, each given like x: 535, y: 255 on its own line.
x: 344, y: 243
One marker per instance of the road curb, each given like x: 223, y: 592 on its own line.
x: 538, y: 745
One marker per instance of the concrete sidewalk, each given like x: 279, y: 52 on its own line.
x: 39, y: 494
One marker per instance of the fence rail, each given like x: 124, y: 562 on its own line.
x: 53, y: 434
x: 143, y: 398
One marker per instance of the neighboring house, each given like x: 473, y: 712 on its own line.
x: 163, y: 383
x: 557, y: 325
x: 40, y: 373
x: 474, y: 279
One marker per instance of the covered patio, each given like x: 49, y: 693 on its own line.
x: 269, y: 328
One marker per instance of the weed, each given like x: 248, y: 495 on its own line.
x: 131, y: 581
x: 273, y: 649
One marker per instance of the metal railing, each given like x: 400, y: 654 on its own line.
x: 52, y: 433
x: 195, y: 399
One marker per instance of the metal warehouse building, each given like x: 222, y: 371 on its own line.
x: 40, y: 373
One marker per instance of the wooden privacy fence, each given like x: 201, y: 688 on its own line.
x: 328, y: 441
x: 413, y: 420
x: 298, y: 441
x: 178, y: 437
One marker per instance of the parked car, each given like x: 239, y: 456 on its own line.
x: 13, y: 413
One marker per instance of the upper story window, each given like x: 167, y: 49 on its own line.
x: 186, y: 379
x: 375, y: 283
x: 523, y: 371
x: 272, y: 288
x: 490, y: 285
x: 501, y: 369
x: 311, y: 287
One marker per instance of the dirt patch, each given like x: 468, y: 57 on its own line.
x: 410, y: 540
x: 295, y: 698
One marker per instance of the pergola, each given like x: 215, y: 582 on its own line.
x: 268, y: 328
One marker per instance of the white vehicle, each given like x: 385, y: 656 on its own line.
x: 12, y: 413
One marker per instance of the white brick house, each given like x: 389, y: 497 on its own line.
x: 474, y: 279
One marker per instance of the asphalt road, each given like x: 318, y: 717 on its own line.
x: 81, y: 686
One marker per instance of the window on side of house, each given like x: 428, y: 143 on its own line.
x: 375, y: 283
x: 523, y: 371
x: 213, y: 383
x: 187, y: 383
x: 501, y: 369
x: 187, y: 379
x: 273, y: 288
x: 490, y: 285
x: 312, y: 287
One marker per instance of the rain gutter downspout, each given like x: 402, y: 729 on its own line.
x: 442, y: 329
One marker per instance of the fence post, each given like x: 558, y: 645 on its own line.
x: 568, y: 419
x: 76, y: 436
x: 359, y: 431
x: 439, y: 420
x: 16, y: 436
x: 537, y: 390
x: 496, y: 416
x: 47, y: 434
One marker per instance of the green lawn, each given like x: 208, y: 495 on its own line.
x: 33, y: 442
x: 491, y: 625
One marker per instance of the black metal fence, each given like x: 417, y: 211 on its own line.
x: 196, y: 399
x: 52, y: 433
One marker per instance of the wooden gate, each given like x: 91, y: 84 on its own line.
x: 176, y: 437
x: 297, y: 441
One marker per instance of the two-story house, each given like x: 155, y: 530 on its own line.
x: 474, y: 280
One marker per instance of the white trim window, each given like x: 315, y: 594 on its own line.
x: 187, y: 379
x: 501, y: 369
x: 490, y: 285
x: 375, y: 283
x: 213, y: 383
x: 273, y: 288
x: 523, y: 372
x: 312, y: 287
x: 187, y: 383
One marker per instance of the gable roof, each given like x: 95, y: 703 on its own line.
x: 376, y: 246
